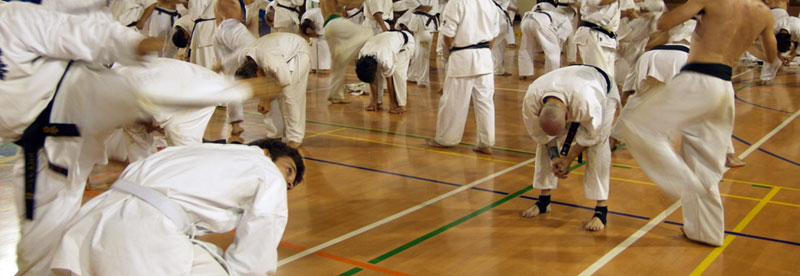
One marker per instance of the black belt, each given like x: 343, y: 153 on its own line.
x: 672, y: 47
x: 354, y: 15
x: 548, y: 15
x: 479, y: 45
x: 405, y: 36
x: 33, y: 140
x: 598, y: 28
x: 599, y: 70
x: 294, y: 9
x: 172, y: 14
x: 132, y: 24
x: 721, y: 71
x: 431, y: 18
x: 508, y: 20
x: 552, y: 2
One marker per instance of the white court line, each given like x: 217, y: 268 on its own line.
x: 398, y: 215
x: 657, y: 220
x: 742, y: 73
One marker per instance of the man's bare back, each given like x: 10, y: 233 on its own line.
x: 726, y: 29
x: 337, y: 6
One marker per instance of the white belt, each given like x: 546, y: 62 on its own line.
x: 169, y: 208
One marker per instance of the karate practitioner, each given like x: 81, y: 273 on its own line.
x: 545, y: 27
x: 159, y: 24
x: 596, y: 38
x: 148, y: 222
x: 287, y: 16
x: 198, y: 28
x: 285, y: 58
x: 378, y: 15
x: 787, y: 34
x: 500, y: 42
x: 37, y: 45
x: 311, y: 25
x: 132, y: 13
x: 423, y: 23
x: 512, y: 10
x: 633, y: 35
x: 345, y: 39
x: 577, y: 102
x: 699, y: 103
x: 468, y: 27
x: 387, y: 53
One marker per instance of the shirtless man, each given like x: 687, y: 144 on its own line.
x: 699, y: 103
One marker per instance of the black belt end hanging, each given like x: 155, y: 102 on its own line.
x: 573, y: 128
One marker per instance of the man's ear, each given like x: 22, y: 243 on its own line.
x: 266, y: 152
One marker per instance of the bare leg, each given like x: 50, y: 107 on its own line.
x: 373, y: 102
x: 394, y: 104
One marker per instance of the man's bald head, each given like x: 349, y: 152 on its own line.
x: 553, y: 116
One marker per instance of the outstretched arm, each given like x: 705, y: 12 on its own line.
x: 680, y: 14
x: 768, y: 41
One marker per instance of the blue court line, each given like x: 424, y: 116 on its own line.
x: 767, y: 152
x: 534, y: 198
x: 736, y: 95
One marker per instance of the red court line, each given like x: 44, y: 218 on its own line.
x: 346, y: 260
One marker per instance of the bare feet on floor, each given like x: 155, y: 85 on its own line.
x: 594, y: 224
x: 293, y: 144
x: 375, y: 107
x: 397, y: 110
x: 433, y: 143
x: 534, y: 211
x: 484, y: 150
x: 506, y: 74
x: 339, y: 102
x: 733, y: 161
x: 523, y: 77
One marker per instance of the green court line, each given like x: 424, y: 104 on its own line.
x: 446, y: 227
x: 762, y: 186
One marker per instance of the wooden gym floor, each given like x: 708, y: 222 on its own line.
x: 377, y: 201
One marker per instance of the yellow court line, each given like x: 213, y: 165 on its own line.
x: 729, y: 238
x: 728, y: 180
x: 323, y: 133
x: 6, y: 165
x: 9, y: 158
x: 425, y: 149
x: 741, y: 197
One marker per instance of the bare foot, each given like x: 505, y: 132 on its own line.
x: 523, y: 77
x: 374, y: 107
x: 293, y: 144
x: 506, y: 74
x: 733, y: 161
x: 397, y: 110
x: 236, y: 129
x: 613, y: 143
x: 339, y: 102
x: 484, y: 150
x: 433, y: 143
x: 441, y: 91
x: 763, y: 82
x: 235, y: 139
x: 422, y: 85
x: 534, y: 211
x: 594, y: 224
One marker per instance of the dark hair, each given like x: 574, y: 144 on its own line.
x: 248, y: 69
x: 179, y: 38
x: 366, y: 68
x: 278, y: 149
x: 784, y: 40
x: 307, y: 24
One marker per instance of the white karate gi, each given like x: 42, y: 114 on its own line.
x: 701, y: 107
x: 160, y: 25
x: 422, y: 27
x: 778, y: 13
x: 372, y: 7
x: 320, y: 53
x: 128, y: 12
x: 591, y: 104
x: 355, y: 15
x: 230, y: 38
x: 511, y: 37
x: 633, y: 35
x: 469, y: 71
x: 392, y: 50
x: 345, y: 39
x: 595, y: 47
x: 546, y: 30
x: 790, y: 24
x: 287, y: 20
x: 288, y: 56
x: 36, y: 43
x: 500, y: 42
x: 212, y: 188
x: 201, y: 46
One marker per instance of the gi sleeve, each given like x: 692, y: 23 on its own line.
x: 62, y: 36
x: 589, y: 113
x: 255, y: 249
x: 234, y: 36
x: 452, y: 15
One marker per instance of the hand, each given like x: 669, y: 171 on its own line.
x: 561, y: 167
x: 149, y: 45
x: 263, y: 106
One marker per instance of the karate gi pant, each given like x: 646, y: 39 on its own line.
x: 287, y: 115
x: 203, y: 56
x: 596, y: 48
x: 235, y: 112
x: 596, y: 178
x: 454, y: 108
x: 320, y: 54
x: 499, y: 50
x: 419, y: 69
x: 84, y: 99
x: 629, y: 52
x: 121, y: 221
x: 536, y: 36
x: 345, y: 39
x: 770, y: 70
x: 701, y: 107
